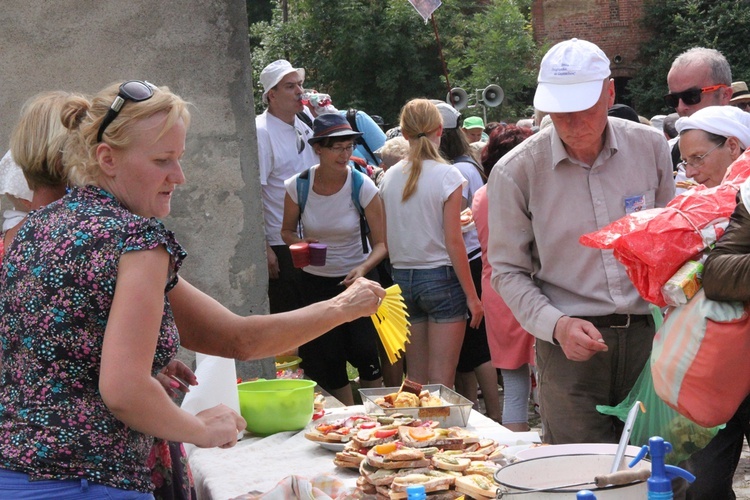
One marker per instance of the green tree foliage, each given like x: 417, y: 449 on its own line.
x: 377, y: 54
x: 679, y: 25
x: 496, y: 47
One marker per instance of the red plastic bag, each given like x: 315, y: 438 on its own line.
x: 653, y: 244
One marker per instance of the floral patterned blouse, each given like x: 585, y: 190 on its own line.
x: 59, y: 278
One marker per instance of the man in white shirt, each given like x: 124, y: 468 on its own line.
x: 283, y: 151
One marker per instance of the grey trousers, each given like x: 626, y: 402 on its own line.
x: 570, y: 390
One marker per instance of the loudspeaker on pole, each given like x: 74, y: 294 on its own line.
x: 492, y: 95
x: 458, y: 98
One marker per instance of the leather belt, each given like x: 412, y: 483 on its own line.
x: 616, y: 321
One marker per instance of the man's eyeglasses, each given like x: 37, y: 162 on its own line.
x: 134, y: 90
x: 340, y: 149
x: 300, y: 140
x: 697, y: 161
x: 744, y: 106
x: 690, y: 96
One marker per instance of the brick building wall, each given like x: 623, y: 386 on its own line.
x: 614, y: 25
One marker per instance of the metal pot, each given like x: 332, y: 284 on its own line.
x: 556, y: 474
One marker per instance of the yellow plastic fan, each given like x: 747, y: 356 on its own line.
x: 391, y: 323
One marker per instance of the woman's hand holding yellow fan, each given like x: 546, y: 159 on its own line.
x: 391, y: 323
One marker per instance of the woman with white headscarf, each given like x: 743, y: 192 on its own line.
x: 711, y: 139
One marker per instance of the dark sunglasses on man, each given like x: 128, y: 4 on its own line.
x: 134, y: 90
x: 743, y: 105
x: 690, y: 96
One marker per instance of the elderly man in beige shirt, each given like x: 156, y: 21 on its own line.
x: 594, y: 331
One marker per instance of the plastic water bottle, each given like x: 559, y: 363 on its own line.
x: 416, y: 492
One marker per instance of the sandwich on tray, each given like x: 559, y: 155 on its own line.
x: 476, y: 486
x: 432, y: 480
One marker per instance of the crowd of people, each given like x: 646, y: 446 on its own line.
x: 581, y: 163
x: 94, y: 311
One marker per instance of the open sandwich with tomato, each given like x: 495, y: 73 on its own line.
x: 388, y: 469
x: 366, y: 430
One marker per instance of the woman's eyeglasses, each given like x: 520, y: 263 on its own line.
x: 697, y: 161
x: 340, y: 149
x: 134, y: 90
x: 690, y: 96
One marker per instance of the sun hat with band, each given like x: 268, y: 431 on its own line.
x: 331, y: 125
x: 274, y: 73
x: 571, y: 77
x: 740, y: 93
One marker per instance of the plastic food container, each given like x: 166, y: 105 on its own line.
x: 271, y: 406
x: 287, y: 362
x: 455, y: 411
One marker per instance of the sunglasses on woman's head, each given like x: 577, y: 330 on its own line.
x: 134, y: 90
x: 690, y: 96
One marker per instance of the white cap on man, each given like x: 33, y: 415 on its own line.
x: 274, y: 73
x: 449, y: 114
x: 571, y: 77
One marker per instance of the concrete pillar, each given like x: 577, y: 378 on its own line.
x: 200, y: 50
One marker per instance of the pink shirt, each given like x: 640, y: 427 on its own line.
x: 510, y: 345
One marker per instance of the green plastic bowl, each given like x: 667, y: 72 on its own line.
x: 271, y: 406
x: 287, y: 363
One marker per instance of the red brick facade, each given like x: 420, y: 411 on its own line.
x: 614, y: 25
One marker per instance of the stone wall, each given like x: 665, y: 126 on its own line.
x: 199, y: 49
x: 611, y: 24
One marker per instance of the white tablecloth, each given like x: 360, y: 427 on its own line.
x: 258, y: 464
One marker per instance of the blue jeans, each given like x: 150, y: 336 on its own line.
x: 16, y: 485
x: 432, y: 294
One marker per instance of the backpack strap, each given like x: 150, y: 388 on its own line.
x: 303, y: 187
x: 469, y: 159
x: 351, y: 117
x: 358, y: 178
x: 305, y: 118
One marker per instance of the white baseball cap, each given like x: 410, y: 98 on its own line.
x: 571, y: 77
x: 274, y: 73
x: 449, y: 113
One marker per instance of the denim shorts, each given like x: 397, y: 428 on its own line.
x: 16, y: 485
x: 432, y: 294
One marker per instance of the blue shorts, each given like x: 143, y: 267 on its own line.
x: 432, y: 294
x: 16, y: 485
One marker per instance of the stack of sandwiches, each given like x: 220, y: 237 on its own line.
x: 394, y: 452
x: 388, y: 470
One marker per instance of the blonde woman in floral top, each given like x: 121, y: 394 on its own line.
x: 88, y: 303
